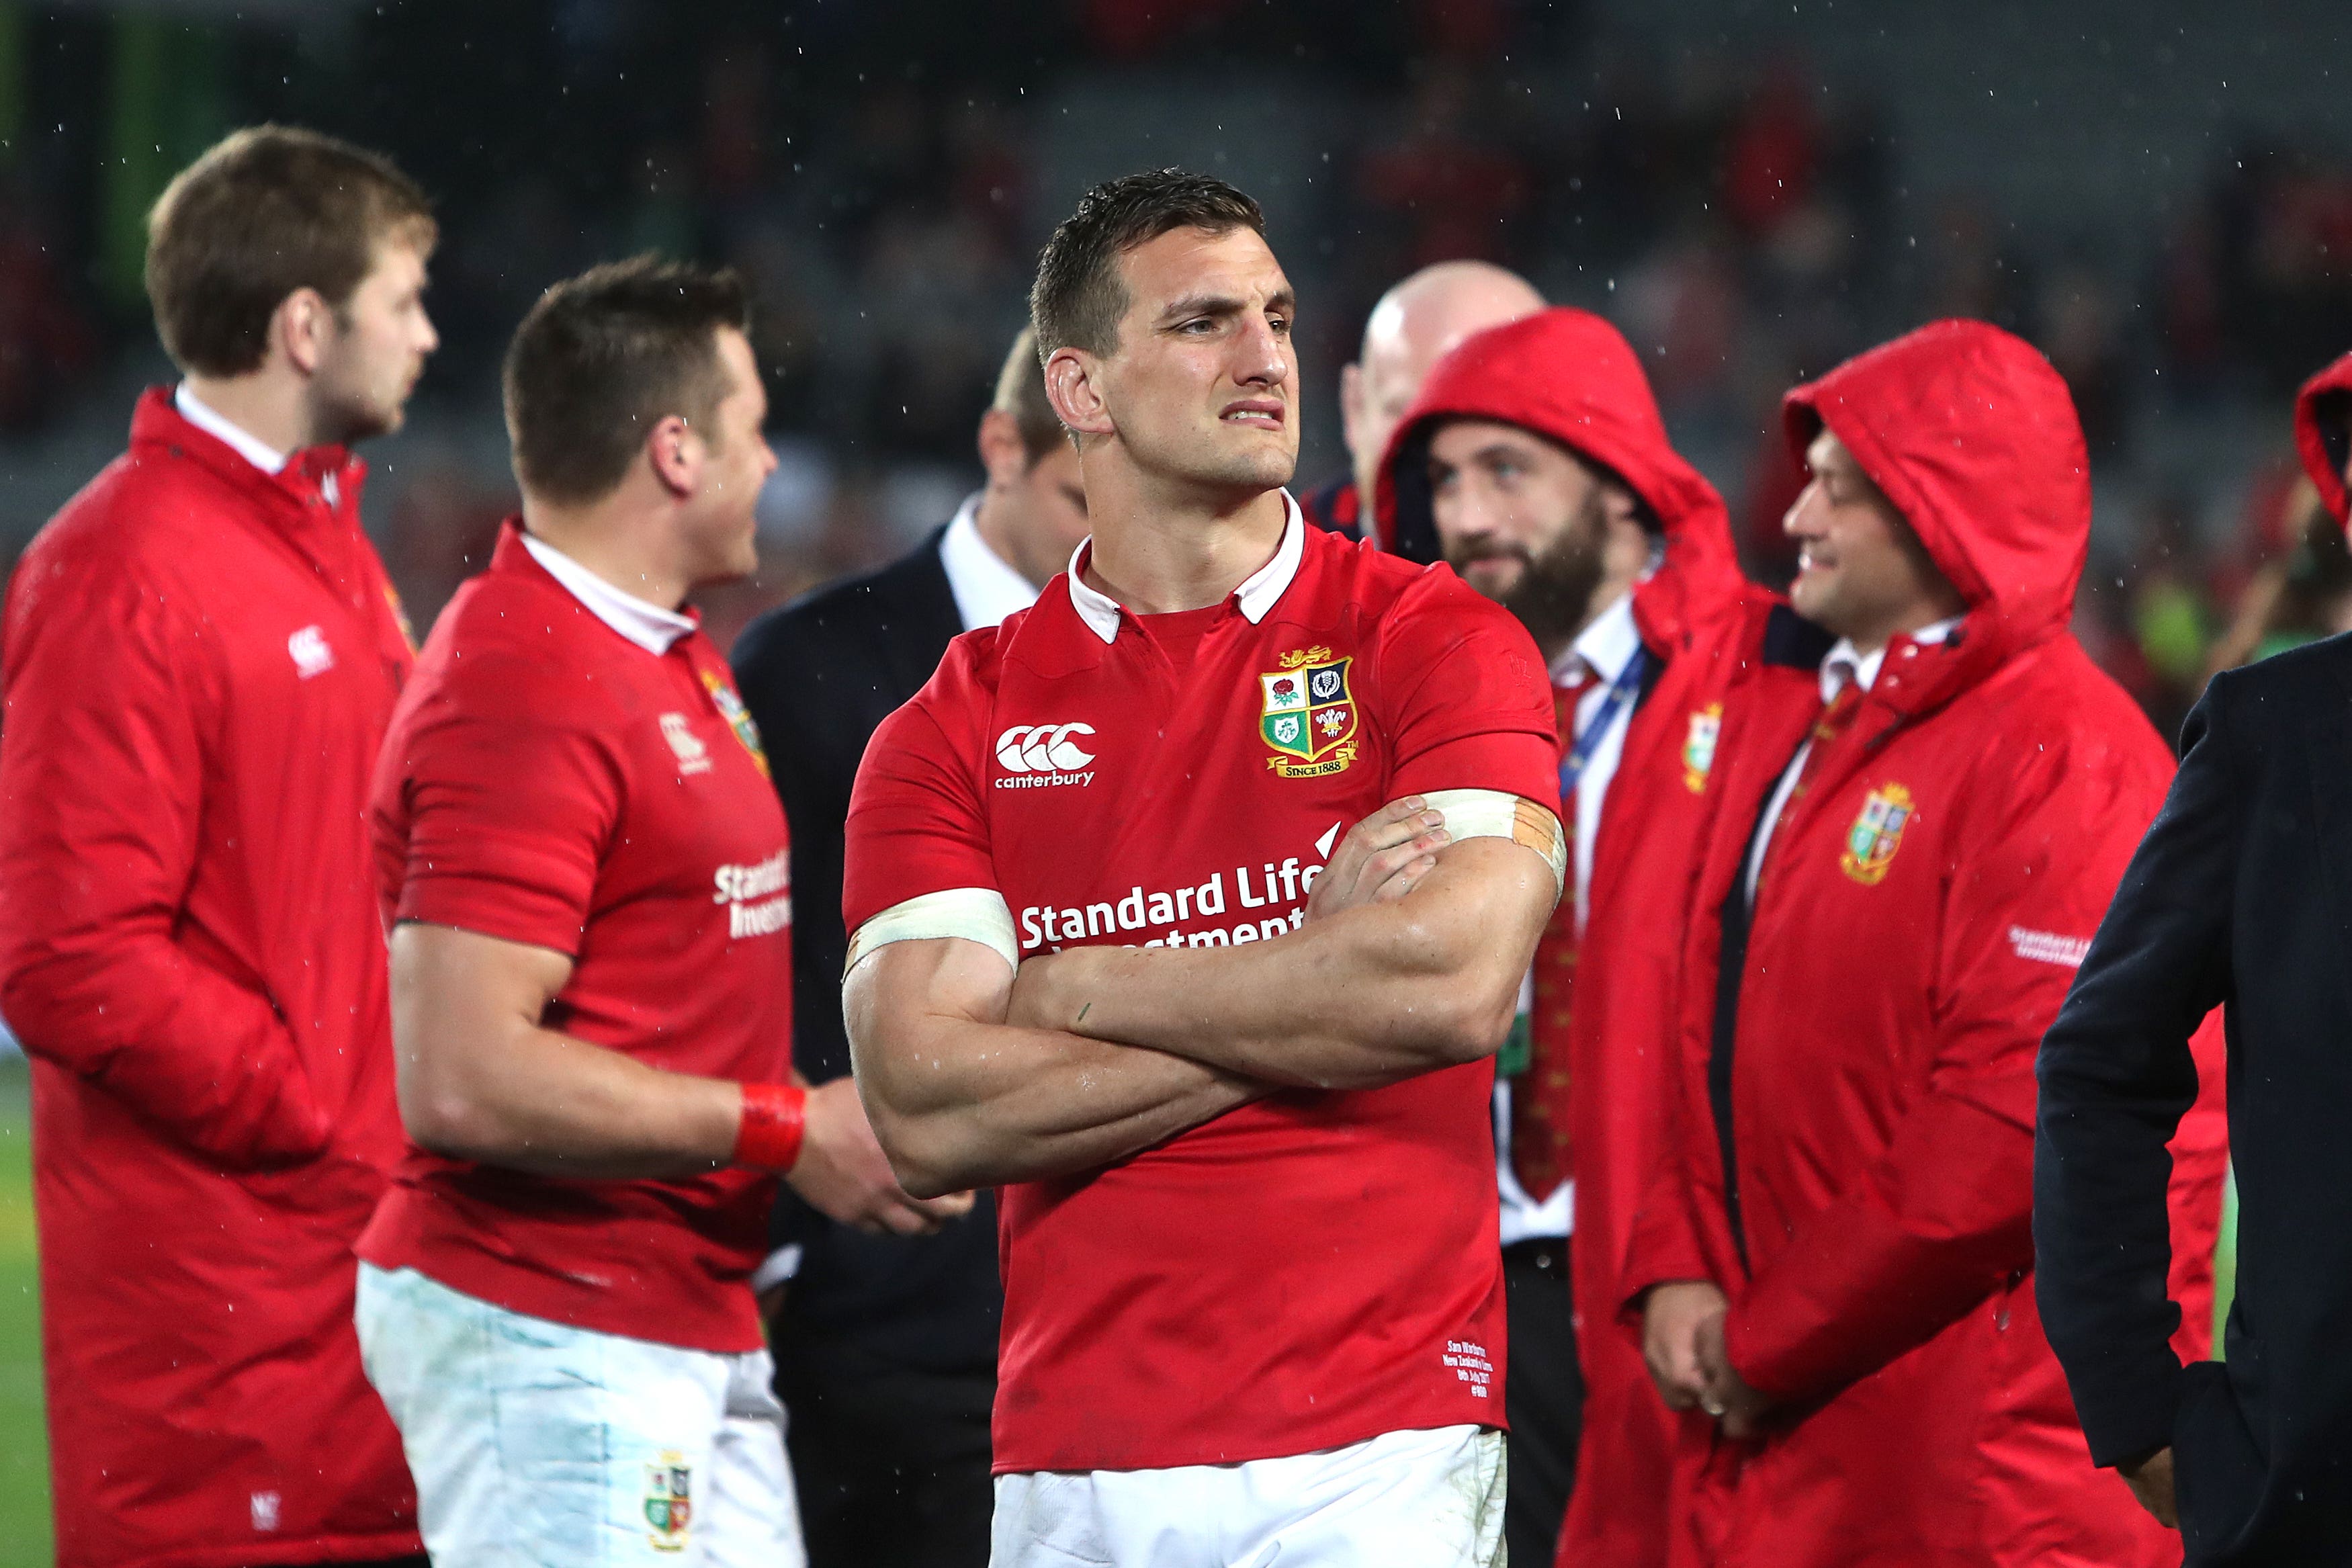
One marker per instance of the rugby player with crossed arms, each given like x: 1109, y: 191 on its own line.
x: 1254, y: 1306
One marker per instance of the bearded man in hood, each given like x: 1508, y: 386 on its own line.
x: 1535, y: 458
x: 1903, y: 873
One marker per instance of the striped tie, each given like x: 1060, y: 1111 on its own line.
x: 1539, y: 1098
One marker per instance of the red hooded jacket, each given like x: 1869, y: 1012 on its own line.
x: 200, y: 661
x: 1570, y: 375
x: 1855, y: 1105
x: 2323, y: 433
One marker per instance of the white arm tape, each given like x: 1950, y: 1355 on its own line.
x: 1491, y: 814
x: 975, y: 914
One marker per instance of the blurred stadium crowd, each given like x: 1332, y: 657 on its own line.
x: 1744, y: 219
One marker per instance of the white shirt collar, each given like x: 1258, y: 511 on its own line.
x: 1604, y: 647
x: 1844, y: 664
x: 647, y: 625
x: 985, y: 585
x: 1258, y: 593
x: 194, y: 410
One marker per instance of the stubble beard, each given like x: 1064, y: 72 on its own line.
x: 344, y: 414
x: 732, y: 542
x: 1209, y: 464
x: 1808, y: 598
x: 1829, y: 603
x: 349, y: 424
x: 349, y: 404
x: 1238, y: 473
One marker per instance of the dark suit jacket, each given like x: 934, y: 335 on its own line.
x: 819, y: 676
x: 2241, y: 895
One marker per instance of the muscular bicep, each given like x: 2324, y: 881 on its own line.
x: 1435, y: 970
x: 1495, y: 884
x: 457, y: 996
x: 939, y: 961
x: 482, y: 1077
x: 896, y: 997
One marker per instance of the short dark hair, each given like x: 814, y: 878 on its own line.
x: 1020, y: 392
x: 1078, y: 299
x: 604, y: 357
x: 265, y: 211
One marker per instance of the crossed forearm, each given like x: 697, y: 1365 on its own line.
x: 548, y: 1103
x: 960, y: 1104
x: 1367, y: 997
x: 962, y: 1098
x: 973, y: 1076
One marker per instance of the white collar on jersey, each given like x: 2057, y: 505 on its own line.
x: 236, y: 437
x: 644, y: 623
x: 1258, y: 591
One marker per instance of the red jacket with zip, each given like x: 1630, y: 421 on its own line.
x: 1854, y: 1108
x: 200, y: 661
x: 1570, y: 375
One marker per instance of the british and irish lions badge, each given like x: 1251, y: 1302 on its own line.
x: 1877, y: 833
x: 1308, y: 715
x: 669, y: 1504
x: 1698, y: 746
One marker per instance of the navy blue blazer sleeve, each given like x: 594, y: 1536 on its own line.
x: 813, y: 750
x: 2115, y: 1077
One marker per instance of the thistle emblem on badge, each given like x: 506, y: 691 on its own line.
x: 1698, y: 747
x: 669, y: 1506
x: 1308, y: 714
x: 1876, y: 834
x: 739, y: 718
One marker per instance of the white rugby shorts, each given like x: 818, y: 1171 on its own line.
x: 1403, y: 1499
x: 536, y: 1443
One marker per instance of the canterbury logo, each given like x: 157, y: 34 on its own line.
x: 311, y: 652
x: 1043, y: 748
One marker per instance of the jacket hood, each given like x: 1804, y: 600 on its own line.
x: 1974, y: 438
x: 1568, y: 375
x: 2323, y: 433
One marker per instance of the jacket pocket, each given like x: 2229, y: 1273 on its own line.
x: 2217, y: 1472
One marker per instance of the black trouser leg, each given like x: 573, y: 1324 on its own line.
x: 1543, y: 1393
x: 890, y: 1465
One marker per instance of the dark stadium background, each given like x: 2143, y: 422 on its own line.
x: 2157, y: 193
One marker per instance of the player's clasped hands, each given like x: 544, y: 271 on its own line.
x: 844, y: 1174
x: 1382, y: 859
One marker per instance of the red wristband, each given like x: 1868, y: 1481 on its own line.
x: 775, y: 1115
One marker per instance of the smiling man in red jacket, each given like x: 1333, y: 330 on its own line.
x: 1903, y: 874
x: 1537, y: 453
x: 202, y: 654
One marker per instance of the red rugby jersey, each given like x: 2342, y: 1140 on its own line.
x: 1315, y: 1269
x: 549, y: 781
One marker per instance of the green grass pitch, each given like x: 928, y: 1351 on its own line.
x: 24, y: 1441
